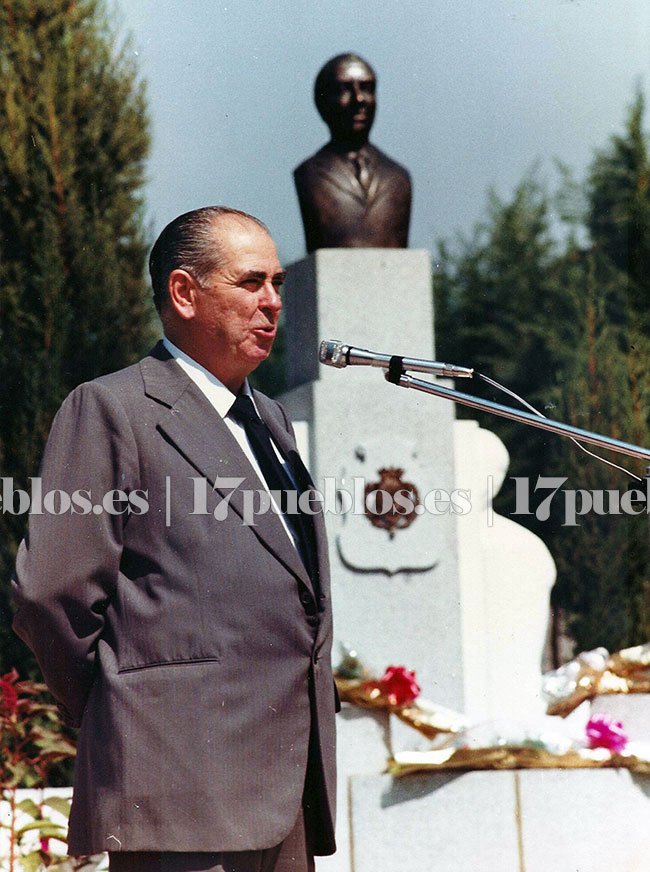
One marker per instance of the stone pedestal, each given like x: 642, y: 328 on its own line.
x: 396, y: 600
x: 506, y: 574
x: 458, y: 595
x: 533, y: 820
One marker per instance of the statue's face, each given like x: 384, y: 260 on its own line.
x: 348, y: 107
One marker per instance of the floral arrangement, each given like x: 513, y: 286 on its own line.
x: 604, y: 732
x: 519, y: 746
x: 397, y: 685
x: 595, y: 673
x: 398, y: 692
x: 457, y: 744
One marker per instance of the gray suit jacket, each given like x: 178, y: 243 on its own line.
x: 191, y: 649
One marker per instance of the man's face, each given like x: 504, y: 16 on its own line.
x: 349, y: 104
x: 237, y: 308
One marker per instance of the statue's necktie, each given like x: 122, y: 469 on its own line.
x: 278, y: 481
x: 362, y: 171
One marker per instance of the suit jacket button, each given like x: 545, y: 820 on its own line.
x: 305, y: 598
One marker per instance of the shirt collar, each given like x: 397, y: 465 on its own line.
x: 220, y: 397
x: 366, y: 151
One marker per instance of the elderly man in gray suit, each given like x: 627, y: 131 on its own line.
x: 177, y: 596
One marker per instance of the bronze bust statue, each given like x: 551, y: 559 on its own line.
x: 351, y: 194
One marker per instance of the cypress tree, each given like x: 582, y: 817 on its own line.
x: 618, y: 218
x: 504, y: 313
x: 73, y: 299
x: 563, y: 325
x: 602, y: 562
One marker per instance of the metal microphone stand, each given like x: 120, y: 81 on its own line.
x: 407, y: 381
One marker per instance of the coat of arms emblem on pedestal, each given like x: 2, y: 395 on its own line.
x: 391, y: 503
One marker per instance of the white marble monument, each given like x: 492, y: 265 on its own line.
x: 459, y: 595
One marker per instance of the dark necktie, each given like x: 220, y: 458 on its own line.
x: 362, y: 171
x: 278, y: 481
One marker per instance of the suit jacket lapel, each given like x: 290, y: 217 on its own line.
x: 288, y: 447
x: 197, y: 431
x: 342, y: 177
x: 375, y: 175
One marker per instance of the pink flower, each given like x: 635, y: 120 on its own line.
x: 399, y: 685
x: 604, y: 732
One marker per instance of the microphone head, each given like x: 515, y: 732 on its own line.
x: 333, y: 353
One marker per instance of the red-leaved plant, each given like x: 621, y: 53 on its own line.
x: 31, y: 741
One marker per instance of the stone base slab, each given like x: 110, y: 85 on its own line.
x: 516, y: 821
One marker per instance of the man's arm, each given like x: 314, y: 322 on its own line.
x: 68, y: 564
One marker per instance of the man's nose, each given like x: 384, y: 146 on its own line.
x: 270, y: 297
x: 359, y: 92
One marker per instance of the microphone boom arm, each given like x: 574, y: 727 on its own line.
x: 407, y: 381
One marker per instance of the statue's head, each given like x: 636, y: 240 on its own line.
x: 344, y: 92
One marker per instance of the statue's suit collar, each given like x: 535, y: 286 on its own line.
x: 342, y: 174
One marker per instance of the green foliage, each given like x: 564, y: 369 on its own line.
x: 619, y: 207
x: 507, y: 316
x: 566, y: 326
x: 73, y: 300
x: 32, y: 740
x: 32, y: 736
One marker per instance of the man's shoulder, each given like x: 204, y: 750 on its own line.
x: 317, y: 162
x: 120, y: 379
x: 133, y: 373
x: 113, y: 387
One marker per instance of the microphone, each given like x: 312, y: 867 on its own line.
x: 335, y: 353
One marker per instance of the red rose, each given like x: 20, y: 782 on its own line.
x: 399, y: 685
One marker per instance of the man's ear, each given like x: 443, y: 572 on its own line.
x: 183, y: 289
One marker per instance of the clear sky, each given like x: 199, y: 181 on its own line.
x: 471, y: 94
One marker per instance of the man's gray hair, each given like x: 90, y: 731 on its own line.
x: 190, y: 243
